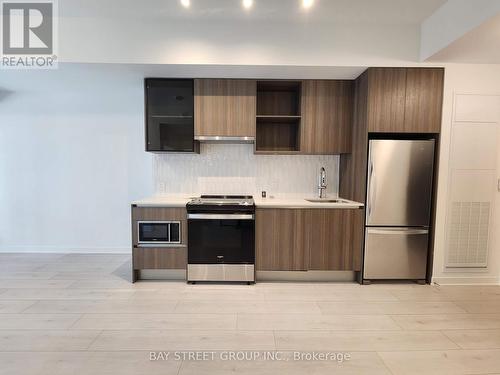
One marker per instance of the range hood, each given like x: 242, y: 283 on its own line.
x: 223, y: 139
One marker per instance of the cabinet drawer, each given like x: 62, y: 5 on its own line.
x: 160, y: 258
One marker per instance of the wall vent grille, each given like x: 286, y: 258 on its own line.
x: 468, y: 241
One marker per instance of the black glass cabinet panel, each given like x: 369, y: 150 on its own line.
x: 170, y: 115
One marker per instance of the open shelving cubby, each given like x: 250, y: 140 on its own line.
x: 278, y: 117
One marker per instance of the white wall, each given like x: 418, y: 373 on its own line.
x: 472, y: 79
x: 72, y: 155
x: 236, y: 42
x: 71, y: 159
x: 451, y: 21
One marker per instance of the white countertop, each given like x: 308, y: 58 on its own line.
x: 163, y: 201
x: 278, y: 202
x: 300, y: 202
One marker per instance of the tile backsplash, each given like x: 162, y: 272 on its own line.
x: 234, y: 169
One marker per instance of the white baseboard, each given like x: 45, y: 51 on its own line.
x: 467, y: 280
x: 65, y: 249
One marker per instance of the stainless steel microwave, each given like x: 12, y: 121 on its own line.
x: 158, y: 233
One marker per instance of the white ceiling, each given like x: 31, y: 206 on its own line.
x: 342, y: 33
x: 481, y: 45
x: 343, y: 11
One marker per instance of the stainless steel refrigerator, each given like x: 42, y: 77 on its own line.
x: 398, y: 209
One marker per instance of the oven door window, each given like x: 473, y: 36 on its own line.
x: 221, y: 241
x: 153, y: 232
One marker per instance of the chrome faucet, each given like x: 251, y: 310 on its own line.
x: 322, y: 183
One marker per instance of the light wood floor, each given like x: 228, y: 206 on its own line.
x: 78, y: 314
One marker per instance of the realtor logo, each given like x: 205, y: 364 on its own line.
x: 28, y: 34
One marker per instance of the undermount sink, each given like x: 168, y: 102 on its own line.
x: 326, y: 200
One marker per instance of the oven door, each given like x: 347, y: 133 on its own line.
x: 221, y: 239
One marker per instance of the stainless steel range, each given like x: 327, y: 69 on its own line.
x: 221, y: 238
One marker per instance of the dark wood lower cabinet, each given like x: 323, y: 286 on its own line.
x: 357, y: 238
x: 167, y: 257
x: 280, y: 240
x: 331, y: 245
x: 160, y: 257
x: 308, y: 239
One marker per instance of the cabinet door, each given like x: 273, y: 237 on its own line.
x: 334, y: 243
x: 281, y: 241
x: 386, y: 99
x: 424, y: 98
x: 169, y: 115
x: 224, y: 107
x: 160, y: 258
x: 327, y: 108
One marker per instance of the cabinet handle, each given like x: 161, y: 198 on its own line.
x: 398, y: 231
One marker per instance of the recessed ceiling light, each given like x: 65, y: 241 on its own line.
x: 186, y: 3
x: 247, y: 4
x: 307, y: 3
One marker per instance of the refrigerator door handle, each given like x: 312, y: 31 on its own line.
x: 370, y: 188
x: 410, y: 231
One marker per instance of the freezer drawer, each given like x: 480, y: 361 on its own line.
x: 396, y: 253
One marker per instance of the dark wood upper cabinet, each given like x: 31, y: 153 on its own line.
x: 386, y: 99
x: 169, y: 110
x: 292, y: 116
x: 389, y: 100
x: 404, y: 100
x: 278, y: 118
x: 424, y: 98
x: 327, y: 109
x: 304, y: 117
x: 224, y: 107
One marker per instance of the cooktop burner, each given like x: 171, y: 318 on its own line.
x: 223, y: 200
x: 236, y: 203
x: 226, y: 197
